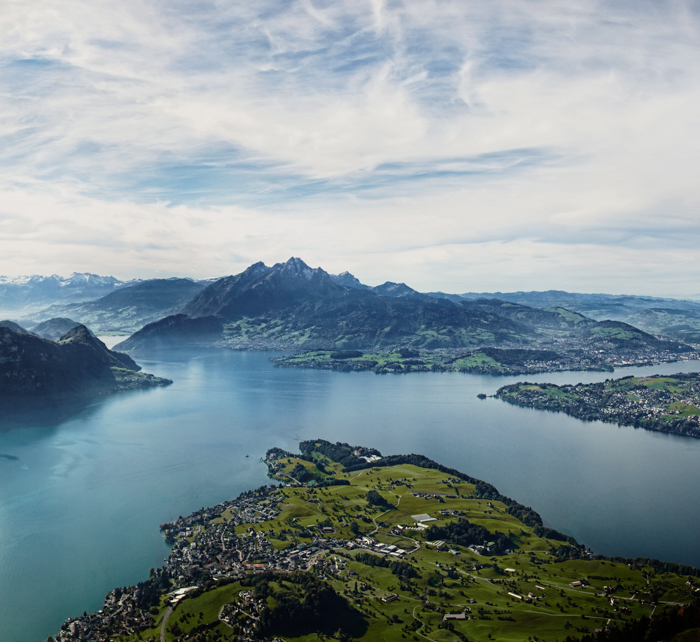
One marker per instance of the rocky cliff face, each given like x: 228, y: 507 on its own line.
x: 349, y: 281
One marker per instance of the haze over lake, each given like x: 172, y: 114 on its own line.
x: 82, y: 498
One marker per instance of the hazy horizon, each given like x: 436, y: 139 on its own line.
x: 175, y: 276
x: 489, y: 146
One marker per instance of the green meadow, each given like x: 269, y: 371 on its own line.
x: 509, y: 597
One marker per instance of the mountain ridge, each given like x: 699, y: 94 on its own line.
x: 36, y: 291
x: 677, y: 319
x: 129, y: 308
x: 293, y: 306
x: 78, y: 364
x: 54, y: 329
x: 261, y: 289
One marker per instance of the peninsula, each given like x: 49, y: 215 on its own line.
x: 665, y: 404
x: 78, y: 364
x: 350, y: 544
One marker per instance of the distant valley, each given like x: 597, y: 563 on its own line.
x: 673, y: 318
x: 127, y: 309
x: 24, y: 294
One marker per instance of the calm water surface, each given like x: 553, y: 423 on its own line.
x: 81, y: 499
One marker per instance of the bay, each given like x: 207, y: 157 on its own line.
x: 81, y: 498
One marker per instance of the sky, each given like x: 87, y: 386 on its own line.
x: 455, y: 145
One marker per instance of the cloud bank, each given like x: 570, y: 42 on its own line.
x: 489, y: 145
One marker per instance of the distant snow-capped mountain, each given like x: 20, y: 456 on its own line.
x: 25, y: 293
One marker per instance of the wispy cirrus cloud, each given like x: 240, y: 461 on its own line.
x: 276, y: 128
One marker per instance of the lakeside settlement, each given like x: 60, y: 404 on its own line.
x: 584, y: 356
x: 661, y: 403
x: 355, y: 545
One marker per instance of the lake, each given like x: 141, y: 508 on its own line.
x: 81, y: 498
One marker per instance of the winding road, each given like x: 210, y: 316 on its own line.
x: 165, y: 620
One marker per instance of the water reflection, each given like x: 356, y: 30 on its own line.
x: 51, y: 412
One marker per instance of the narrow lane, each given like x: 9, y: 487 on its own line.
x: 165, y: 620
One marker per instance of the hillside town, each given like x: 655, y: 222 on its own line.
x: 206, y: 552
x: 543, y: 354
x: 402, y: 558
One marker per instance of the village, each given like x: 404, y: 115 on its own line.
x: 667, y: 404
x: 206, y: 552
x: 396, y: 569
x: 542, y: 354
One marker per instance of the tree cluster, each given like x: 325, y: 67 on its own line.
x: 399, y: 568
x: 665, y: 626
x: 375, y: 499
x: 339, y: 452
x: 464, y: 533
x: 311, y: 606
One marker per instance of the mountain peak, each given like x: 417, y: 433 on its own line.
x: 296, y: 266
x: 400, y: 290
x: 78, y: 333
x: 349, y: 281
x: 260, y: 289
x: 295, y: 269
x: 13, y: 326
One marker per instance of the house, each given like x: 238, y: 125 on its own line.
x: 423, y: 517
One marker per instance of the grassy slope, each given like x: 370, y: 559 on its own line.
x: 393, y: 361
x: 561, y: 611
x: 676, y: 324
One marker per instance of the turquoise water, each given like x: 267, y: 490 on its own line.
x: 81, y: 499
